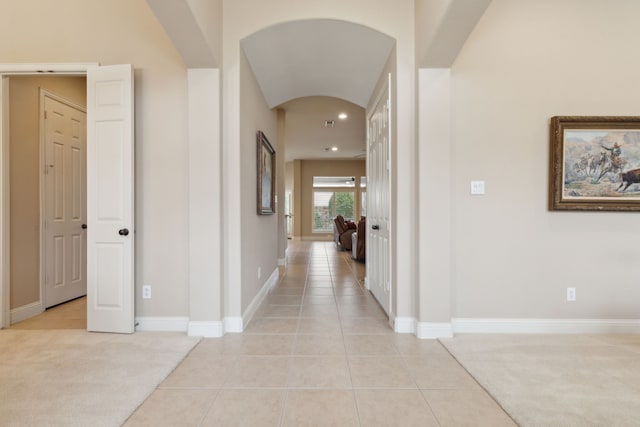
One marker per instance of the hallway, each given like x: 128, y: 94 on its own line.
x: 319, y: 352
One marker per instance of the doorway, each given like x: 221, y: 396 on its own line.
x: 47, y: 192
x: 110, y: 197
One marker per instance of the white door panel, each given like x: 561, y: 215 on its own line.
x: 64, y: 255
x: 379, y: 201
x: 110, y: 264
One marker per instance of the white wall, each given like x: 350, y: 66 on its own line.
x: 115, y: 32
x: 525, y: 62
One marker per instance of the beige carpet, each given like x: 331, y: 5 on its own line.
x: 76, y: 378
x: 557, y: 380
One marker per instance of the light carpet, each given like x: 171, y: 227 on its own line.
x: 557, y: 380
x: 77, y: 378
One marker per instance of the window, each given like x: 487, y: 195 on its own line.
x: 329, y: 204
x: 330, y: 201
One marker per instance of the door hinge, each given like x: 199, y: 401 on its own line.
x: 45, y: 114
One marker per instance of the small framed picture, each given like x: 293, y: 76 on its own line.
x: 266, y: 176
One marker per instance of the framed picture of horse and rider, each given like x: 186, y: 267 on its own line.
x: 595, y: 163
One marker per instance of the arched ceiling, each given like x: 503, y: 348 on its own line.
x: 317, y: 57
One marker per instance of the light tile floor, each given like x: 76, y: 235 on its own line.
x: 319, y: 352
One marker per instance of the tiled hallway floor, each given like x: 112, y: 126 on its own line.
x: 319, y: 352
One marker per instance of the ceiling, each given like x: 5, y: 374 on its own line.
x: 314, y: 70
x: 307, y: 138
x: 317, y: 57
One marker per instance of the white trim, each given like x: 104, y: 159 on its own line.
x: 233, y: 324
x: 545, y: 326
x: 26, y: 311
x: 259, y: 298
x: 47, y: 69
x: 5, y: 262
x: 207, y: 329
x: 282, y: 262
x: 434, y: 330
x: 404, y: 325
x: 167, y: 323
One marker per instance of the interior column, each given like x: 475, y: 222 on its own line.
x: 205, y: 201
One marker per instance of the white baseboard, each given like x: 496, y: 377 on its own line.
x: 404, y: 325
x: 282, y: 262
x: 545, y: 326
x: 259, y: 298
x: 233, y: 324
x: 24, y: 312
x: 207, y: 329
x: 166, y: 324
x: 434, y: 330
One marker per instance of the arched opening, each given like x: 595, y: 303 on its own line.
x: 278, y: 64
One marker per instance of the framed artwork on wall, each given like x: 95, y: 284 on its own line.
x: 594, y: 163
x: 266, y: 176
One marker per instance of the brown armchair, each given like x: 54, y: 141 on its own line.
x: 343, y: 233
x: 359, y: 250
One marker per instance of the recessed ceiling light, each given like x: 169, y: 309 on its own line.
x: 334, y: 148
x: 342, y: 116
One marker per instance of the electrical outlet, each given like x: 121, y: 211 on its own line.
x: 259, y: 272
x: 146, y: 292
x: 571, y: 294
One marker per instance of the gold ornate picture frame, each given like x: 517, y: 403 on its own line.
x: 266, y: 176
x: 594, y: 163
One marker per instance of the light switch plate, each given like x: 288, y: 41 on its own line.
x: 477, y: 187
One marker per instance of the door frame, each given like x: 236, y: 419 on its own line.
x: 45, y: 93
x: 6, y: 71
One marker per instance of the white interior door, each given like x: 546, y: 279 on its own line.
x: 110, y: 236
x: 379, y: 200
x: 65, y: 204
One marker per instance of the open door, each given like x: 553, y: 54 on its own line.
x: 110, y: 197
x: 379, y: 200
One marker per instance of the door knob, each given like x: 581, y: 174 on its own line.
x: 84, y: 226
x: 375, y: 227
x: 123, y: 232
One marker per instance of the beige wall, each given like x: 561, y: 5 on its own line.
x: 524, y: 63
x: 259, y: 232
x: 304, y: 189
x: 24, y: 146
x: 117, y: 32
